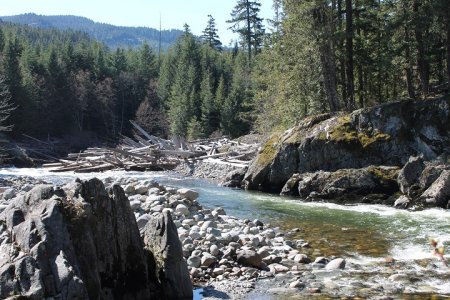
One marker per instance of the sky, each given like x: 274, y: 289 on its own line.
x: 174, y: 13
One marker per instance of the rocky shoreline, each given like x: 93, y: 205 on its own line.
x: 235, y: 258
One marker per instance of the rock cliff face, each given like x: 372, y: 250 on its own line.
x: 81, y: 242
x: 384, y: 135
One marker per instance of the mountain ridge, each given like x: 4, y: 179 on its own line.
x: 112, y: 35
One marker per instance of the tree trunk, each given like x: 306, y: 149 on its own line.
x: 349, y: 47
x: 327, y: 56
x: 409, y: 67
x: 359, y: 66
x: 448, y: 50
x: 342, y: 58
x: 249, y: 36
x: 422, y: 64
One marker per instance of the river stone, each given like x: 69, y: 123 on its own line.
x: 321, y: 260
x: 194, y: 261
x: 135, y: 204
x: 438, y: 193
x: 410, y: 173
x: 182, y: 209
x: 188, y: 194
x: 156, y: 198
x: 277, y: 268
x: 157, y: 208
x: 302, y: 258
x: 337, y: 263
x: 297, y: 284
x: 153, y: 191
x: 214, y: 250
x: 218, y: 271
x: 208, y: 224
x: 129, y: 189
x: 249, y: 258
x: 142, y: 220
x: 214, y: 231
x: 269, y: 233
x: 207, y: 260
x: 141, y: 189
x: 402, y: 201
x: 9, y: 194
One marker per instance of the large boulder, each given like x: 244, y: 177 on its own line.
x: 344, y: 184
x: 80, y: 242
x: 408, y: 178
x: 438, y: 194
x: 161, y: 239
x: 384, y: 135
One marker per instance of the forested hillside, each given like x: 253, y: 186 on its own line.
x: 113, y: 36
x: 315, y: 57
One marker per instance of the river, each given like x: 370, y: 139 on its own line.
x: 364, y: 234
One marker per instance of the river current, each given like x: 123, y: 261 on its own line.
x: 366, y: 235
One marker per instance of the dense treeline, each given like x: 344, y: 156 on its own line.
x: 64, y: 83
x: 347, y: 54
x: 316, y: 56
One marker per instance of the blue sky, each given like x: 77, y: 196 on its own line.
x: 174, y: 13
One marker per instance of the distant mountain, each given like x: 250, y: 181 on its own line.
x: 113, y: 36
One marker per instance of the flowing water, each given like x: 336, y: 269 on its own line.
x: 364, y: 234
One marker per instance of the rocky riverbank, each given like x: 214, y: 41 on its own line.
x: 226, y: 256
x: 81, y: 241
x: 359, y: 156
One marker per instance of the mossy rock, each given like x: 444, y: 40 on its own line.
x: 269, y: 150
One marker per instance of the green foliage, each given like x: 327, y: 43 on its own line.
x: 292, y: 76
x: 62, y: 82
x: 247, y: 23
x: 210, y: 36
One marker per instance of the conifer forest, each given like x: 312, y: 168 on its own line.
x: 312, y: 57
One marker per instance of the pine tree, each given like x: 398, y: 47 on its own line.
x: 248, y: 24
x: 210, y: 35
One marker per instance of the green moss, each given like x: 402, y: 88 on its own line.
x: 384, y: 175
x: 296, y: 136
x: 343, y: 132
x: 367, y: 140
x: 269, y: 150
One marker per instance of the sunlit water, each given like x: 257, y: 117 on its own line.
x: 364, y: 234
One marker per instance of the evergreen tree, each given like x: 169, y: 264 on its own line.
x: 210, y: 114
x: 183, y: 101
x: 6, y: 107
x: 233, y: 119
x: 13, y: 79
x: 246, y: 21
x: 210, y: 35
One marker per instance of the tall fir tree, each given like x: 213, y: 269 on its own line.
x: 246, y: 22
x: 210, y: 36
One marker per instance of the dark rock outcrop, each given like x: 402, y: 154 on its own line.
x: 161, y: 239
x: 234, y: 178
x: 424, y: 184
x: 408, y: 178
x: 80, y: 242
x: 438, y: 194
x: 345, y: 184
x: 384, y: 135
